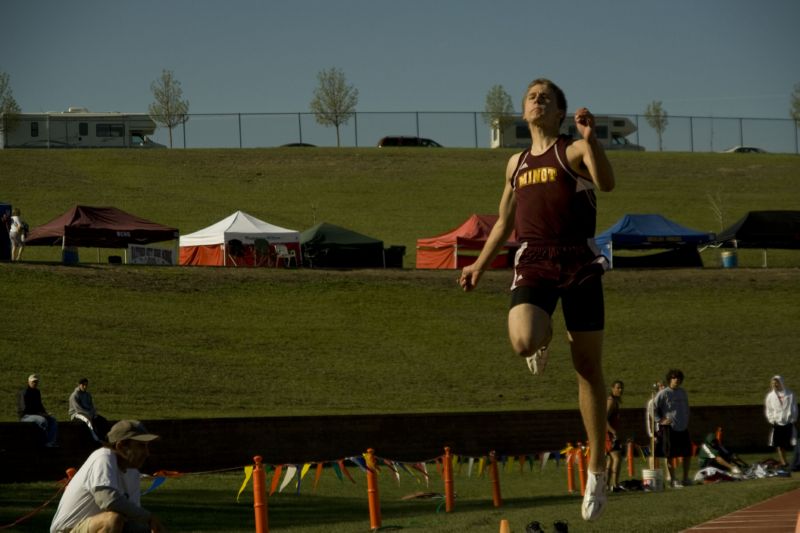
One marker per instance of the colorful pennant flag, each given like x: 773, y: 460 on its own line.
x: 248, y: 473
x: 157, y: 482
x: 276, y: 477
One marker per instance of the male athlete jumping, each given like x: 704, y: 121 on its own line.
x: 549, y: 198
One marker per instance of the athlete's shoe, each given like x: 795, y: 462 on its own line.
x: 594, y: 499
x: 534, y: 527
x: 538, y: 361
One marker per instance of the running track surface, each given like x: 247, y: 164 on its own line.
x: 776, y: 515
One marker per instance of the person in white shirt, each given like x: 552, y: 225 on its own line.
x: 780, y: 406
x: 104, y: 495
x: 16, y: 233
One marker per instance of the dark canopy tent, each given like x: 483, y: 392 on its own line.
x: 99, y: 227
x: 764, y: 229
x: 329, y: 246
x: 652, y: 232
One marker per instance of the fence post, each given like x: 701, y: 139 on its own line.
x: 355, y: 126
x: 570, y: 468
x: 259, y: 496
x: 449, y: 498
x: 631, y: 451
x: 497, y: 499
x: 372, y: 491
x: 475, y: 124
x: 581, y: 468
x: 299, y: 127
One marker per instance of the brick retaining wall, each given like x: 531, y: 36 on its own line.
x: 194, y: 445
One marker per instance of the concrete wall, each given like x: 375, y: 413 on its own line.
x: 195, y: 445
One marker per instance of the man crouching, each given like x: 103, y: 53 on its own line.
x: 104, y: 494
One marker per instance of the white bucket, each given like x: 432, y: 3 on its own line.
x: 653, y: 480
x: 729, y: 259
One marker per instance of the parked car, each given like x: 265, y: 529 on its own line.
x: 745, y: 150
x: 399, y: 140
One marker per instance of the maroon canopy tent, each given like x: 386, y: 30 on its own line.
x: 99, y: 227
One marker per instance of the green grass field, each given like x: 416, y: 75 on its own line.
x: 207, y: 503
x: 198, y: 342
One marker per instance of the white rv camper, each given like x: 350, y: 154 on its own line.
x: 611, y: 131
x: 77, y: 128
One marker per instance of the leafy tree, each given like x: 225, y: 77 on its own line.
x: 168, y: 109
x: 334, y: 101
x: 656, y: 116
x: 499, y: 111
x: 795, y: 110
x: 8, y: 106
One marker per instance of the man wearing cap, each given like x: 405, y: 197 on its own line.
x: 104, y: 495
x: 31, y: 409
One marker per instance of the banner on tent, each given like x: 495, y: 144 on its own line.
x: 148, y: 255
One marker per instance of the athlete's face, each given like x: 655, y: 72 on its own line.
x: 541, y: 108
x: 617, y: 389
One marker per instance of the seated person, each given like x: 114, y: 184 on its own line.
x: 81, y: 407
x: 31, y: 409
x: 713, y: 454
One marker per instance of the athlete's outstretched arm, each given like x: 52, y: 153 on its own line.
x: 499, y: 234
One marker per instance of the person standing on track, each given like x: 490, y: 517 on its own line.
x: 780, y: 407
x: 613, y: 441
x: 549, y: 199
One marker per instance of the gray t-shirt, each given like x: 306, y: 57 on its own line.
x: 673, y: 404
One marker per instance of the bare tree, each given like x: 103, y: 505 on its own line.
x: 795, y: 110
x: 499, y: 111
x: 656, y: 116
x: 168, y: 109
x: 9, y: 109
x: 334, y: 101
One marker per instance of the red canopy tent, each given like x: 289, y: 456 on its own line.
x: 460, y: 247
x: 99, y: 227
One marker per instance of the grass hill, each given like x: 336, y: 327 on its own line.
x: 192, y: 342
x: 397, y: 195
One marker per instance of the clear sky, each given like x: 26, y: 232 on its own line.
x: 736, y: 58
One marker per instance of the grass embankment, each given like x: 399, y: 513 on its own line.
x: 160, y: 342
x: 395, y: 195
x: 193, y: 342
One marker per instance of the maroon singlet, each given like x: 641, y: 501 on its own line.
x: 555, y: 217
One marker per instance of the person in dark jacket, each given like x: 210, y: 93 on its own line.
x: 30, y: 409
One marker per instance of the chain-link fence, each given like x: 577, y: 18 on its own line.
x: 466, y: 129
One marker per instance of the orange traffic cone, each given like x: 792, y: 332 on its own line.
x: 504, y: 527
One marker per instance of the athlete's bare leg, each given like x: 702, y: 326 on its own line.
x: 586, y: 349
x: 529, y: 328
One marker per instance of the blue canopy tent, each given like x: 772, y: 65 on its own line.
x: 652, y: 232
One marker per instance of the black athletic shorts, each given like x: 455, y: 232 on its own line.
x: 671, y: 443
x: 782, y: 436
x: 582, y: 304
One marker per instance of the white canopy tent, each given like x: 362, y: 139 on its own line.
x: 233, y: 241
